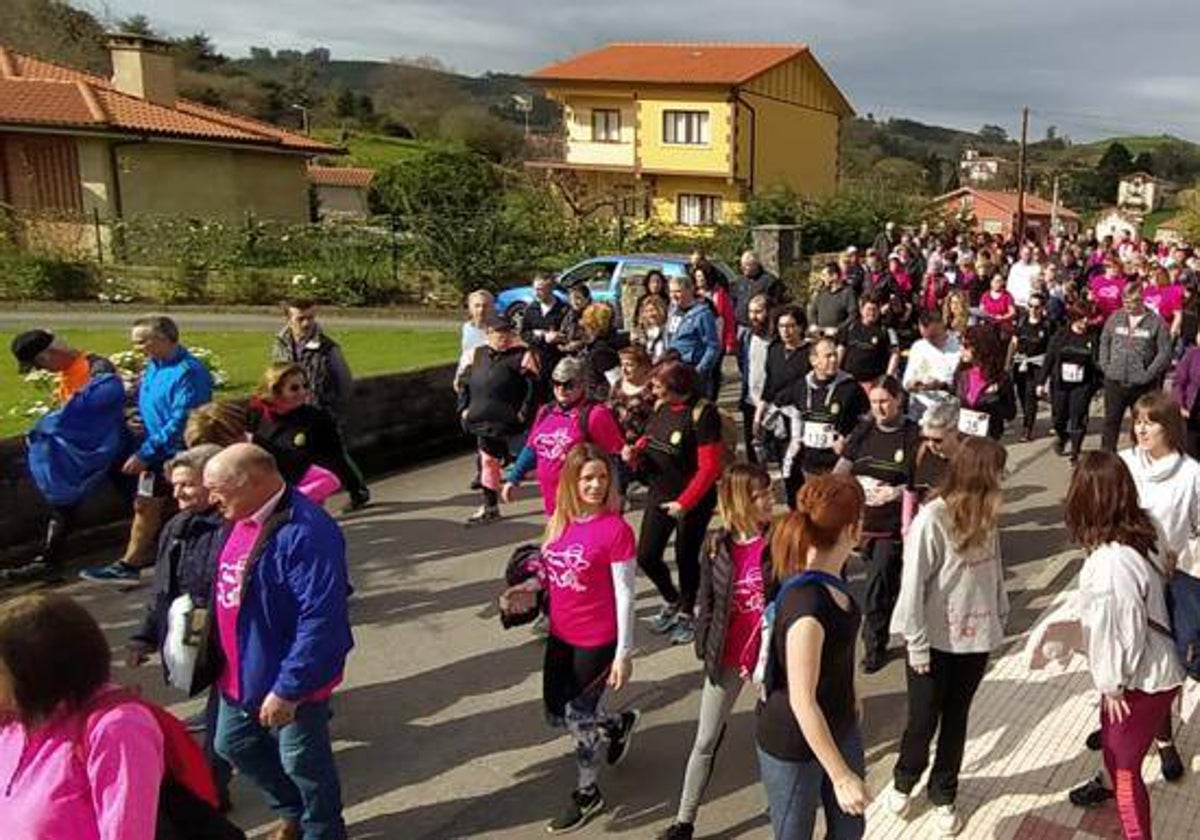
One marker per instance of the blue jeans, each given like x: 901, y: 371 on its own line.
x: 796, y: 788
x: 293, y: 766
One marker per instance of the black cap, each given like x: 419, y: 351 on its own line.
x: 497, y: 321
x: 28, y: 345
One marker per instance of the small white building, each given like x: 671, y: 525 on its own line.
x: 342, y: 191
x: 1119, y: 224
x: 1141, y: 192
x: 977, y: 169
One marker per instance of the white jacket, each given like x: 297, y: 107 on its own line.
x: 1119, y: 592
x: 1169, y: 490
x: 950, y: 600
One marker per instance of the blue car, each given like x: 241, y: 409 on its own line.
x: 605, y: 277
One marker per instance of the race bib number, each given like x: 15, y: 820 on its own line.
x: 973, y: 423
x: 818, y: 435
x: 1072, y: 373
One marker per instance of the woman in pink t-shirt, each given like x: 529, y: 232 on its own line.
x: 1165, y: 298
x: 587, y: 570
x: 72, y: 766
x: 730, y: 607
x: 998, y: 305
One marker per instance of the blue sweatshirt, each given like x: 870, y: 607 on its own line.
x: 168, y: 392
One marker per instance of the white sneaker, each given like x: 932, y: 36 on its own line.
x: 948, y: 820
x: 897, y: 802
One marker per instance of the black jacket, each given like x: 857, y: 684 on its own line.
x: 304, y: 436
x: 323, y: 362
x: 716, y: 596
x: 499, y: 393
x: 188, y: 548
x: 763, y: 283
x: 784, y: 369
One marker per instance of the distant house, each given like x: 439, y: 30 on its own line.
x: 1142, y: 193
x: 80, y: 149
x: 1119, y: 224
x: 1169, y: 232
x: 980, y: 170
x: 684, y: 133
x: 996, y: 212
x: 341, y: 191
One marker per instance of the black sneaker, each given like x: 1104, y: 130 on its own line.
x: 1090, y: 794
x: 357, y: 503
x: 622, y: 736
x: 1172, y: 764
x: 584, y: 804
x: 1060, y: 446
x: 30, y: 572
x: 1093, y: 741
x: 678, y: 831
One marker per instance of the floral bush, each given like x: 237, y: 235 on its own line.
x: 129, y: 365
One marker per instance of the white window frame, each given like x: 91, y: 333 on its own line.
x: 697, y: 209
x: 686, y: 128
x: 606, y: 129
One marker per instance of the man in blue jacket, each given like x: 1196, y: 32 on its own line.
x: 692, y: 332
x: 282, y: 625
x: 172, y: 384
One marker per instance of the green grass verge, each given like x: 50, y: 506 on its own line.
x: 244, y: 356
x: 372, y: 150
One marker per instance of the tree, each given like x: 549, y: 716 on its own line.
x: 1115, y: 162
x: 345, y: 106
x: 136, y: 25
x: 480, y: 132
x: 1144, y: 162
x: 197, y: 52
x: 1051, y: 133
x: 260, y: 54
x: 993, y: 134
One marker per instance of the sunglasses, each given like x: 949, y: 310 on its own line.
x: 569, y: 384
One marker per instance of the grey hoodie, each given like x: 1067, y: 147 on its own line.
x: 1137, y: 355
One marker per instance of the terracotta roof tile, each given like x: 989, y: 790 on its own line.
x: 36, y: 92
x: 672, y: 63
x: 341, y: 176
x: 1007, y: 201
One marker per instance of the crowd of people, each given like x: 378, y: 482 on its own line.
x: 878, y: 413
x: 882, y: 409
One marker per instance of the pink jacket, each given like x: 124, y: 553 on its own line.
x: 56, y: 786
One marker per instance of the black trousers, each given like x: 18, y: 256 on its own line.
x: 1069, y: 409
x: 1118, y: 399
x: 748, y: 412
x: 689, y: 530
x: 938, y: 702
x: 883, y: 557
x: 1025, y: 383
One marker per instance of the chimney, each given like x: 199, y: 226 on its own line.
x: 143, y: 67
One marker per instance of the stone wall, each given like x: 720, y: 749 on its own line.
x: 393, y: 420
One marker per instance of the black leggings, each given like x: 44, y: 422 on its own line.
x: 657, y: 527
x: 1025, y: 383
x: 1118, y: 399
x: 1069, y: 407
x: 882, y: 556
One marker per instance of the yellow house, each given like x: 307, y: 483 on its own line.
x: 685, y: 132
x: 79, y: 151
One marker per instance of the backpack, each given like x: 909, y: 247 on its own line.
x: 187, y: 798
x: 729, y: 430
x: 525, y: 563
x: 1183, y: 606
x: 764, y: 668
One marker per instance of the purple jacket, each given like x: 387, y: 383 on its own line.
x: 1187, y: 379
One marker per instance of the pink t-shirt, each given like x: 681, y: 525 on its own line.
x: 745, y: 607
x: 556, y: 434
x: 49, y: 790
x: 578, y: 578
x: 231, y: 568
x: 1165, y: 300
x: 1106, y: 293
x: 976, y: 384
x: 997, y: 305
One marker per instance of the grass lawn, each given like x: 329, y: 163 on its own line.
x: 372, y: 150
x: 244, y: 356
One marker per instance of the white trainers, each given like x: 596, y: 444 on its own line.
x: 897, y: 802
x: 948, y: 820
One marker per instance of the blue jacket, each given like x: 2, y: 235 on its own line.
x: 71, y: 450
x: 167, y: 393
x: 293, y: 625
x: 695, y: 337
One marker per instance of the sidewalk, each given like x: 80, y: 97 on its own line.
x: 1026, y: 750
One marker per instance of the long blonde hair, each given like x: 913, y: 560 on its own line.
x: 971, y: 490
x: 735, y: 497
x: 568, y: 505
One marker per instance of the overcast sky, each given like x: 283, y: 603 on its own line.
x: 1093, y: 68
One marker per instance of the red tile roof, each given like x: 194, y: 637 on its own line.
x: 341, y: 176
x: 1006, y: 202
x: 36, y: 92
x: 667, y: 63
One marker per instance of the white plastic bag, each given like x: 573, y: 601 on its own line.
x: 178, y: 656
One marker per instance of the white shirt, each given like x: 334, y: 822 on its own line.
x: 756, y: 364
x: 927, y: 363
x: 473, y: 338
x: 1169, y: 490
x: 1021, y: 278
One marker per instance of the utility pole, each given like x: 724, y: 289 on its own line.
x: 1054, y: 208
x: 1021, y: 175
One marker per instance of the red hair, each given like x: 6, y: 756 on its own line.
x: 825, y: 507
